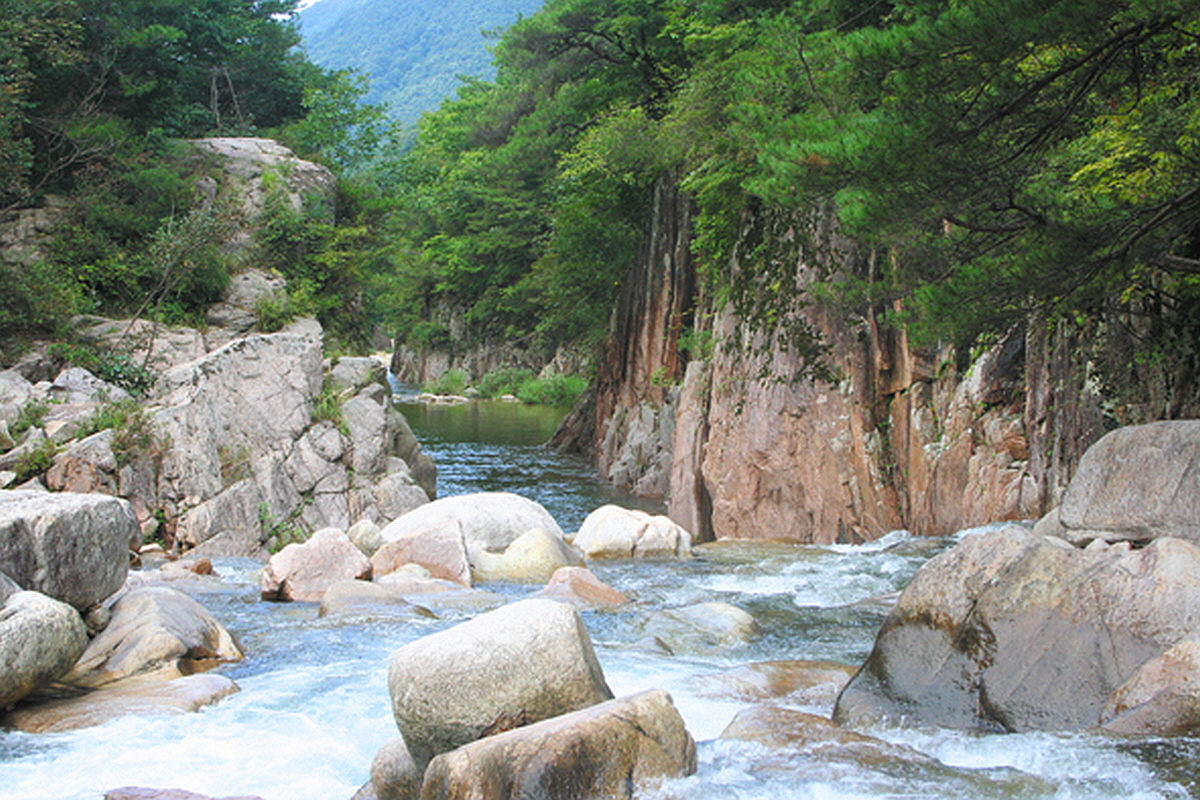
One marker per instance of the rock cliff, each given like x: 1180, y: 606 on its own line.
x: 906, y: 438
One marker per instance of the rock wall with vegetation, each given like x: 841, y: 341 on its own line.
x: 896, y: 436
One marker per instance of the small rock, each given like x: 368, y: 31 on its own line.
x: 579, y: 586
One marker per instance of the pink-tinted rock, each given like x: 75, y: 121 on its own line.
x: 302, y: 572
x: 578, y: 585
x: 439, y: 549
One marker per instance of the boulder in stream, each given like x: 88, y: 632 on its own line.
x: 490, y: 521
x: 614, y: 532
x: 302, y: 572
x: 579, y: 586
x: 1010, y: 631
x: 154, y: 630
x: 613, y: 749
x: 1137, y: 483
x: 521, y: 663
x: 40, y: 638
x: 72, y: 547
x: 532, y: 557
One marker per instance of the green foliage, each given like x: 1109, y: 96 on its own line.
x: 35, y: 462
x: 280, y: 533
x: 36, y: 300
x: 117, y: 368
x: 133, y: 430
x: 452, y: 382
x: 506, y: 381
x: 30, y: 416
x: 555, y: 390
x: 327, y: 407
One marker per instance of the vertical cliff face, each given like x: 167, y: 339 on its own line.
x: 903, y: 438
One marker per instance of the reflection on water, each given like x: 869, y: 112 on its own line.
x: 314, y: 706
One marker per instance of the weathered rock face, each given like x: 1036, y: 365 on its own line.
x: 522, y: 663
x: 609, y: 750
x: 1016, y: 632
x: 40, y: 638
x: 72, y: 547
x: 904, y: 440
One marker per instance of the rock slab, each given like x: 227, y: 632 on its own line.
x: 606, y: 751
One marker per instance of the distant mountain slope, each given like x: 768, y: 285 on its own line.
x: 413, y: 49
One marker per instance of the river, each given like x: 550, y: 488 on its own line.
x: 313, y: 707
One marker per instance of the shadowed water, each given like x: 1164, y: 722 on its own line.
x: 314, y: 706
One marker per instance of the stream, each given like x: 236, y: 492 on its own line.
x: 314, y: 708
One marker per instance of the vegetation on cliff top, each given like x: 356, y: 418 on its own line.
x: 1002, y: 159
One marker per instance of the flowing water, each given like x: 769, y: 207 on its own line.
x: 313, y: 707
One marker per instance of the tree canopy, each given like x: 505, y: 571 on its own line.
x: 1003, y: 158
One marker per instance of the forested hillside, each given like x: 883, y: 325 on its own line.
x: 415, y: 51
x: 95, y: 98
x: 1001, y: 159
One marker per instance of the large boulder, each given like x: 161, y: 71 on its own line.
x: 40, y: 638
x: 490, y: 521
x: 605, y: 751
x: 615, y: 532
x: 533, y: 557
x: 1015, y: 632
x: 302, y: 572
x: 154, y: 631
x: 521, y: 663
x: 72, y: 547
x: 1136, y: 484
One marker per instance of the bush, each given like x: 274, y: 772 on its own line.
x: 453, y: 382
x: 116, y: 368
x: 35, y: 462
x: 555, y: 390
x: 133, y: 430
x: 503, y: 381
x: 30, y: 416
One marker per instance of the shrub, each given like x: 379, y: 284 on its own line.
x: 35, y: 462
x: 116, y: 368
x: 452, y: 382
x: 553, y: 390
x: 327, y: 407
x: 133, y: 430
x: 30, y: 416
x: 503, y: 381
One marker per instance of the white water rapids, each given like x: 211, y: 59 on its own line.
x: 314, y: 708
